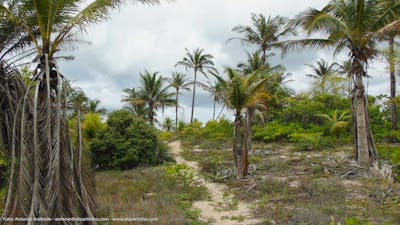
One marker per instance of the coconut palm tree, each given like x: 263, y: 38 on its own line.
x: 244, y: 94
x: 93, y: 107
x: 323, y: 73
x: 216, y: 91
x: 154, y: 94
x: 178, y: 81
x: 266, y: 33
x: 198, y: 61
x: 168, y: 124
x: 52, y: 184
x: 130, y: 95
x: 390, y: 11
x: 348, y: 25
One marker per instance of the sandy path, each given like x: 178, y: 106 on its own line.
x: 216, y: 210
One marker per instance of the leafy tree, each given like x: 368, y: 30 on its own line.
x: 127, y: 142
x: 198, y: 61
x: 266, y: 33
x: 350, y: 25
x: 91, y: 125
x: 178, y: 81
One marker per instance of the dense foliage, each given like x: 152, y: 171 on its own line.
x: 127, y: 142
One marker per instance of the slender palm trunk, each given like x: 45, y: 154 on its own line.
x: 264, y: 56
x: 220, y: 112
x: 176, y: 109
x: 392, y: 84
x: 364, y: 146
x: 249, y: 136
x: 240, y: 146
x: 194, y: 94
x: 214, y: 110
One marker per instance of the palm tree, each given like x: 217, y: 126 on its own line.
x: 178, y: 81
x: 154, y: 94
x: 139, y: 109
x: 53, y: 184
x: 168, y: 124
x: 266, y: 33
x: 216, y: 91
x: 338, y: 122
x: 244, y: 94
x: 390, y: 10
x: 93, y: 107
x: 254, y: 62
x: 348, y: 24
x: 199, y: 62
x: 323, y: 72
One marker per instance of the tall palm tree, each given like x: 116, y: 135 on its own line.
x: 198, y: 61
x: 323, y: 72
x: 349, y: 25
x: 266, y: 33
x: 53, y: 184
x: 154, y: 94
x: 179, y: 81
x: 390, y: 11
x: 244, y: 94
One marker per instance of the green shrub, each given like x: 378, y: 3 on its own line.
x: 310, y: 141
x: 390, y: 153
x: 191, y: 131
x: 216, y: 129
x: 166, y: 136
x: 127, y: 142
x: 275, y: 131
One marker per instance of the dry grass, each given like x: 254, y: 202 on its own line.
x: 293, y: 187
x: 147, y: 193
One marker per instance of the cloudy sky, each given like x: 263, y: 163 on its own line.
x: 155, y: 37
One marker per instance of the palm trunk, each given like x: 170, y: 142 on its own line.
x: 176, y: 109
x: 364, y: 147
x: 194, y: 94
x: 214, y: 110
x: 392, y: 84
x: 248, y: 136
x: 240, y: 146
x: 220, y: 112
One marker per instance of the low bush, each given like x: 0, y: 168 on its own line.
x: 275, y: 131
x: 215, y: 134
x: 310, y: 141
